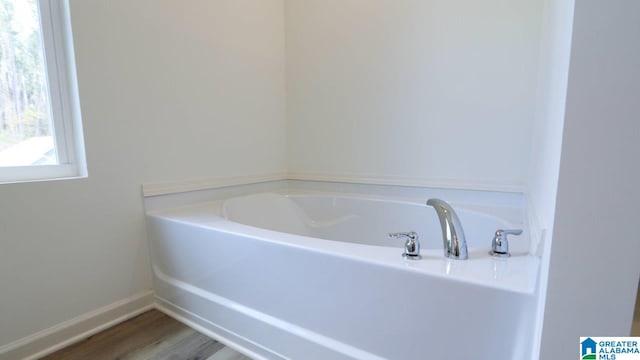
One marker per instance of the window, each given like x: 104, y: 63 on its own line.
x: 40, y: 128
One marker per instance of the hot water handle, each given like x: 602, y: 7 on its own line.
x: 411, y: 246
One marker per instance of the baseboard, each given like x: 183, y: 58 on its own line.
x: 181, y: 186
x: 173, y: 187
x: 410, y: 181
x: 71, y: 331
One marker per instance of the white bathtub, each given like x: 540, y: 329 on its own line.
x: 314, y: 276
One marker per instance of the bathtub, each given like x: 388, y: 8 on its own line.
x: 306, y: 275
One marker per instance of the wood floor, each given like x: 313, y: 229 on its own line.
x: 152, y: 335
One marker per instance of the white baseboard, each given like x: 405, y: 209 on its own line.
x: 173, y: 187
x: 181, y: 186
x: 71, y: 331
x: 411, y: 181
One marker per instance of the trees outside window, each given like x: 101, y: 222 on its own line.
x: 39, y: 112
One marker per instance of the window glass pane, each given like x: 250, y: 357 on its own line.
x: 26, y: 129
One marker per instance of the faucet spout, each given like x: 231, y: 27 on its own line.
x: 455, y: 244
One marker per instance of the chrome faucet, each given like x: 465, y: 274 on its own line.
x: 411, y: 246
x: 455, y: 245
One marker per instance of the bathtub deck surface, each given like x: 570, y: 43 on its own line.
x: 152, y: 335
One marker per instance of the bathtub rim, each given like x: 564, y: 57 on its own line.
x: 481, y: 269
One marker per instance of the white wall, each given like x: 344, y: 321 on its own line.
x: 555, y: 49
x: 168, y: 92
x: 594, y: 267
x: 542, y: 181
x: 437, y: 91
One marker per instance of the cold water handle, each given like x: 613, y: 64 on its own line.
x: 411, y: 246
x: 500, y: 243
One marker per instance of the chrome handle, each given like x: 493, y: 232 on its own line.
x: 500, y: 243
x: 411, y: 246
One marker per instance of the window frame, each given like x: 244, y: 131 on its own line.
x: 62, y: 85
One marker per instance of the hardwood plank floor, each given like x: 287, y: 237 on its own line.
x: 152, y: 335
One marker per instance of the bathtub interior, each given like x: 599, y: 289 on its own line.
x: 367, y: 219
